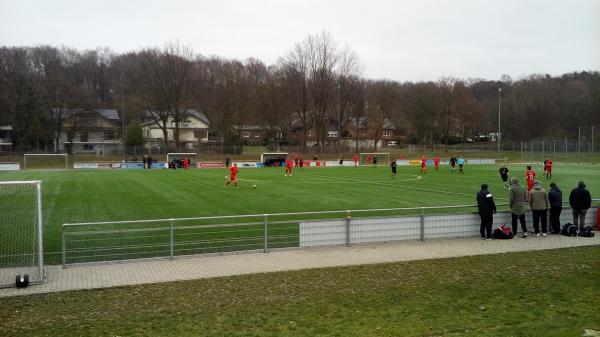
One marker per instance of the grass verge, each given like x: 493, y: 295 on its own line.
x: 541, y: 293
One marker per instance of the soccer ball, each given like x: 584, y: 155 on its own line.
x: 254, y: 186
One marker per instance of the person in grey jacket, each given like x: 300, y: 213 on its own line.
x: 517, y: 196
x: 538, y: 201
x: 555, y: 198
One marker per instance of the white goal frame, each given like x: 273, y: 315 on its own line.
x: 380, y: 155
x: 45, y: 155
x: 181, y: 155
x: 269, y: 155
x: 40, y: 232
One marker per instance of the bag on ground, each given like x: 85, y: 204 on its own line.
x: 587, y: 232
x: 569, y: 230
x: 502, y: 233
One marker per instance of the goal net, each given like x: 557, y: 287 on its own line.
x: 273, y: 158
x: 21, y: 250
x: 179, y: 157
x: 36, y: 161
x: 379, y: 158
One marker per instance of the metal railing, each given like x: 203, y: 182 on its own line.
x: 109, y: 241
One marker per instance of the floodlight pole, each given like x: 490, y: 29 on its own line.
x: 499, y: 99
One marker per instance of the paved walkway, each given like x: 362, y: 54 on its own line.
x: 154, y: 271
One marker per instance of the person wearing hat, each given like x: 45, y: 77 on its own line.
x: 516, y: 197
x: 580, y: 200
x: 487, y: 209
x: 538, y: 201
x: 555, y: 198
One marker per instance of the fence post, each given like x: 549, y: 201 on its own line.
x: 422, y: 224
x: 266, y: 245
x: 348, y: 219
x: 64, y: 247
x: 171, y: 240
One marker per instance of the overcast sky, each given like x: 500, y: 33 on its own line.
x: 400, y: 40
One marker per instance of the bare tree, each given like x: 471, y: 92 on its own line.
x: 162, y: 79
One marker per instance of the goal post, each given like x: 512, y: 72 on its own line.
x: 273, y: 158
x: 368, y: 158
x: 33, y: 161
x: 182, y: 155
x: 21, y: 225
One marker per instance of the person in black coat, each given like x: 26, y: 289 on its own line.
x: 580, y: 200
x: 487, y: 209
x: 555, y: 198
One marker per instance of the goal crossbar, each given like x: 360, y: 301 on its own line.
x: 30, y: 155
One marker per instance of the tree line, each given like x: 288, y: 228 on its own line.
x: 315, y: 82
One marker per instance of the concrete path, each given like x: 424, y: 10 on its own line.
x: 153, y: 271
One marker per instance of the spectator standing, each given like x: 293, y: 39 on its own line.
x: 580, y: 201
x: 538, y: 201
x: 555, y: 198
x: 487, y: 209
x: 517, y: 197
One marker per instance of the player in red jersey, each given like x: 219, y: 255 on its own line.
x: 436, y: 163
x: 355, y: 160
x: 530, y: 177
x: 548, y: 168
x: 288, y: 167
x: 423, y: 164
x: 233, y: 170
x: 186, y: 164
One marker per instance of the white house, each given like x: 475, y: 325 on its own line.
x: 193, y: 130
x: 95, y: 131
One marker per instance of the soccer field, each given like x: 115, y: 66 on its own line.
x: 113, y: 195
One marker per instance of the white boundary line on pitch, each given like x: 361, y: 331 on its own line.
x: 329, y: 182
x: 406, y: 187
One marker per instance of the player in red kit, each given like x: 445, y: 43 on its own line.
x: 355, y: 160
x: 288, y: 167
x: 233, y: 170
x: 436, y: 163
x: 548, y: 168
x: 423, y: 164
x: 530, y: 177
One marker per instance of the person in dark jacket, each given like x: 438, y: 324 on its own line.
x: 487, y: 209
x: 580, y: 200
x: 555, y: 198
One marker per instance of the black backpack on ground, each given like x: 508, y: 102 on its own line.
x: 569, y: 230
x: 587, y: 232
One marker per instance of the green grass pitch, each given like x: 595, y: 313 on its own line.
x: 112, y: 195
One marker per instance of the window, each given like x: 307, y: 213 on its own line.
x: 88, y: 147
x: 387, y: 133
x: 83, y: 137
x: 245, y: 134
x: 363, y: 132
x: 199, y: 134
x: 309, y: 133
x: 147, y: 132
x: 332, y: 133
x: 110, y: 135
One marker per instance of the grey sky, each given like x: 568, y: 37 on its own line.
x: 400, y: 40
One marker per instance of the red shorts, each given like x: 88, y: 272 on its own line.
x: 423, y: 166
x: 549, y: 169
x: 233, y: 177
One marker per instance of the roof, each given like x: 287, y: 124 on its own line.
x: 188, y: 112
x: 362, y: 121
x: 111, y: 114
